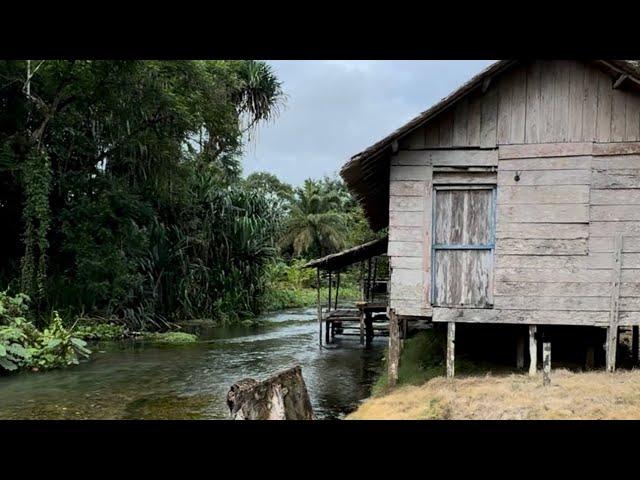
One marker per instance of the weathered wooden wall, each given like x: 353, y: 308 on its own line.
x: 557, y: 140
x: 537, y: 102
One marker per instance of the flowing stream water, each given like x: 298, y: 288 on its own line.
x: 141, y: 380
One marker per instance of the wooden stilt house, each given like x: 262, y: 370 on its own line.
x: 514, y: 200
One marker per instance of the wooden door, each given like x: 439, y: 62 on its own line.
x: 463, y: 244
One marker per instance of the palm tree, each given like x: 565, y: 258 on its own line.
x: 315, y: 225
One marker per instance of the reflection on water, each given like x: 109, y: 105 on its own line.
x: 132, y: 380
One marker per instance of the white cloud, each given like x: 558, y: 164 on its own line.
x: 336, y: 108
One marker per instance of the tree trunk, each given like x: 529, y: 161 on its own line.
x: 282, y: 396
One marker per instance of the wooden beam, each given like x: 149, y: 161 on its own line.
x: 395, y: 146
x: 337, y: 290
x: 614, y: 306
x: 319, y: 310
x: 330, y: 281
x: 451, y: 349
x: 394, y: 348
x: 485, y: 84
x: 635, y: 344
x: 621, y: 78
x: 533, y: 350
x: 546, y: 363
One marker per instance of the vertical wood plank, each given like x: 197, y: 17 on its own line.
x: 394, y: 348
x: 518, y: 105
x: 547, y: 89
x: 603, y: 116
x: 505, y: 92
x: 460, y: 123
x: 319, y: 309
x: 618, y: 116
x: 451, y: 349
x: 426, y: 240
x: 614, y: 307
x: 632, y: 123
x: 532, y: 133
x: 473, y: 126
x: 576, y: 101
x: 546, y: 363
x: 432, y: 134
x: 488, y: 121
x: 561, y: 101
x: 590, y: 104
x: 533, y: 350
x: 446, y: 129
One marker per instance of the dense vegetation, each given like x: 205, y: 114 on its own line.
x: 122, y: 199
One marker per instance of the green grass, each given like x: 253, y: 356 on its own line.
x: 280, y: 299
x: 423, y: 358
x: 174, y: 338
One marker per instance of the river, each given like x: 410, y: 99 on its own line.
x: 141, y: 380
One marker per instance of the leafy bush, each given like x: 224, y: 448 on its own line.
x: 170, y: 337
x: 22, y: 345
x: 101, y: 331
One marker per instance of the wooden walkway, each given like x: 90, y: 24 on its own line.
x: 366, y: 321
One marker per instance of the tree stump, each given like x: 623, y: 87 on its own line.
x: 282, y: 396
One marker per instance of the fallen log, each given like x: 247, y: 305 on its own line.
x: 282, y: 396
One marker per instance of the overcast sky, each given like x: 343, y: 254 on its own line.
x: 335, y: 109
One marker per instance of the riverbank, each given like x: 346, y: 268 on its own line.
x: 575, y: 396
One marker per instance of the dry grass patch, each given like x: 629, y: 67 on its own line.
x: 592, y: 395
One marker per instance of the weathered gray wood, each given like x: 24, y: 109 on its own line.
x: 615, y: 197
x: 282, y: 396
x: 606, y: 244
x: 616, y: 162
x: 406, y: 188
x: 546, y: 363
x: 614, y: 308
x: 533, y: 111
x: 620, y: 178
x: 590, y: 106
x: 394, y: 348
x: 461, y: 123
x: 319, y: 308
x: 558, y: 194
x: 561, y: 102
x: 615, y: 213
x: 405, y: 204
x: 568, y: 262
x: 426, y: 242
x: 488, y: 122
x: 473, y: 125
x: 632, y: 121
x: 618, y: 148
x: 410, y: 263
x: 406, y: 284
x: 404, y: 249
x: 462, y: 278
x: 512, y: 246
x: 446, y: 129
x: 557, y: 289
x: 530, y: 317
x: 405, y: 219
x: 543, y: 177
x: 603, y: 117
x: 609, y: 229
x: 543, y: 150
x: 451, y: 349
x: 618, y: 116
x: 565, y: 213
x: 560, y: 275
x: 406, y: 234
x: 462, y: 217
x: 533, y: 350
x: 551, y: 231
x: 552, y: 303
x: 408, y: 172
x: 475, y: 178
x: 576, y: 100
x: 362, y: 327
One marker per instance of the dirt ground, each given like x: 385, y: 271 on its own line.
x: 590, y: 395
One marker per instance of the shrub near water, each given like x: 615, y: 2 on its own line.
x: 22, y: 345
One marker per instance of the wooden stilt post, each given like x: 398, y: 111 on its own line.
x: 546, y: 363
x: 533, y: 350
x: 368, y: 290
x: 451, y: 349
x: 330, y: 282
x: 394, y: 351
x: 591, y: 358
x: 361, y: 326
x: 337, y: 290
x: 635, y: 344
x: 520, y: 352
x: 368, y: 328
x: 614, y: 306
x: 319, y: 310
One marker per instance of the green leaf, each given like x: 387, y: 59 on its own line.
x: 7, y: 364
x: 3, y: 351
x: 78, y: 342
